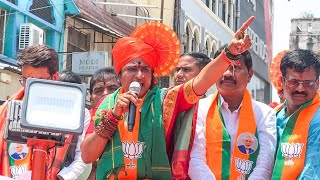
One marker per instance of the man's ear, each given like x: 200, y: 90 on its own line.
x: 317, y: 83
x: 250, y: 74
x: 55, y: 76
x: 282, y: 81
x: 91, y: 101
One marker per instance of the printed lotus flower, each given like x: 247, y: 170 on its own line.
x: 132, y: 151
x: 16, y: 171
x: 243, y: 167
x: 290, y: 151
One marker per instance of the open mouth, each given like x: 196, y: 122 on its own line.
x: 179, y: 81
x: 141, y: 85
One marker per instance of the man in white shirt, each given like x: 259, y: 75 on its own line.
x: 73, y: 167
x: 38, y: 61
x: 77, y: 169
x: 224, y: 121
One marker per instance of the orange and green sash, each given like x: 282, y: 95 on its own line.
x: 152, y: 162
x: 218, y: 141
x: 4, y: 157
x: 129, y: 137
x: 183, y: 144
x: 21, y: 164
x: 292, y: 146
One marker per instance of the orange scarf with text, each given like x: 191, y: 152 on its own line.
x: 129, y: 137
x: 4, y: 159
x: 218, y: 142
x: 292, y: 146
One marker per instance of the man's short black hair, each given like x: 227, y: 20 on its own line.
x: 299, y: 60
x: 103, y: 74
x: 69, y: 76
x: 201, y: 59
x: 39, y: 56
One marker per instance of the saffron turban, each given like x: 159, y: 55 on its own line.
x: 128, y: 48
x: 154, y: 43
x: 275, y: 72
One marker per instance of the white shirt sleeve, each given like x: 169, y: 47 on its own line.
x: 266, y: 125
x: 74, y: 170
x: 198, y: 168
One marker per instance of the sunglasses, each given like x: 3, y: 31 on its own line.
x: 294, y: 82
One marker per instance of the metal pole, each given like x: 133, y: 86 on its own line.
x: 123, y: 4
x: 161, y: 11
x: 40, y: 149
x: 138, y: 17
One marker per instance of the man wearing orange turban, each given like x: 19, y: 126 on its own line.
x: 151, y: 51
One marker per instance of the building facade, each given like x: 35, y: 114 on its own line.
x: 93, y: 29
x: 260, y: 32
x: 206, y: 25
x: 203, y: 26
x: 27, y: 22
x: 305, y: 34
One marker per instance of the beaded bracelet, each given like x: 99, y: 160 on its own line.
x: 230, y: 61
x: 229, y: 55
x: 107, y: 125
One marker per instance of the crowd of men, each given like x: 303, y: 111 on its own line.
x: 185, y: 131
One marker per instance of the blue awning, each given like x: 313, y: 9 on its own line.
x: 8, y: 60
x: 9, y: 64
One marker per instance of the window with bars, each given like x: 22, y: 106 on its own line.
x: 43, y: 9
x: 12, y: 1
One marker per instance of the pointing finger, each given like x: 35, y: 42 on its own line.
x: 246, y: 24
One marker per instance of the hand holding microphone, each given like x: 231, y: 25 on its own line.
x: 126, y: 102
x: 135, y: 87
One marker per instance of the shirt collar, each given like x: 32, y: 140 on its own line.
x: 225, y: 105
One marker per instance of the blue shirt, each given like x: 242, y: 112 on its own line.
x: 311, y: 168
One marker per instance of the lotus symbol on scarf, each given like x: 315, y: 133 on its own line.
x: 243, y: 167
x: 132, y: 151
x: 290, y: 151
x: 18, y: 170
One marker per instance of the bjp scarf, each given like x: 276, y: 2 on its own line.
x: 292, y: 147
x: 4, y: 159
x: 150, y: 159
x: 218, y: 141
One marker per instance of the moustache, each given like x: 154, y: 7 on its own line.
x: 301, y: 93
x: 224, y: 78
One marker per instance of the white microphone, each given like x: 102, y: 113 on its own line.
x: 135, y: 87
